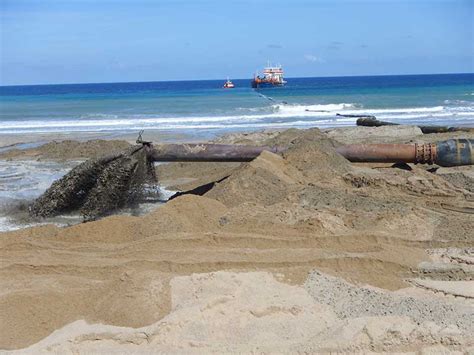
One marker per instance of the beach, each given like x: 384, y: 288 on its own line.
x: 299, y: 252
x: 236, y: 177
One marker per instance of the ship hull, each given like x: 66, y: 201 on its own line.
x: 264, y: 84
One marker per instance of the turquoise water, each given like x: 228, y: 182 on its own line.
x: 204, y: 108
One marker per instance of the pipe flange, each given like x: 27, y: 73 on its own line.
x: 425, y: 153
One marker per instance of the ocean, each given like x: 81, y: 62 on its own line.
x: 205, y: 109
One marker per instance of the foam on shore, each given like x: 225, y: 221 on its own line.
x: 276, y: 116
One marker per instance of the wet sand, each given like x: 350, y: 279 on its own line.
x: 303, y: 252
x: 13, y: 140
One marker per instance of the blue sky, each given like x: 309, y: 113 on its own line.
x: 72, y: 41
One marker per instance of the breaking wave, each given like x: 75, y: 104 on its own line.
x: 276, y: 115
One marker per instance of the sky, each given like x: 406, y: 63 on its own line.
x: 90, y: 41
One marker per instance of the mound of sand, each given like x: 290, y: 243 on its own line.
x: 266, y: 180
x: 269, y: 225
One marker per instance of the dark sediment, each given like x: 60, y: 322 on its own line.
x: 97, y: 187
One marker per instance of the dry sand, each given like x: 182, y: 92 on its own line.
x: 303, y: 252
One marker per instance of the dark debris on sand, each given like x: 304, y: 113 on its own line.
x: 98, y: 186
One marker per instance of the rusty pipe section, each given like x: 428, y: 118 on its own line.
x: 207, y: 152
x: 452, y: 152
x: 378, y: 153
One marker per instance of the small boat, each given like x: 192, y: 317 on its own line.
x: 228, y: 84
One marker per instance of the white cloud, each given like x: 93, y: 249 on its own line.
x: 313, y: 58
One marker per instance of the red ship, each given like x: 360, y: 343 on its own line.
x: 272, y: 76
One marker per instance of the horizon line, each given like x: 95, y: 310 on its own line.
x: 170, y: 81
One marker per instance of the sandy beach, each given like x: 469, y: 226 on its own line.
x: 236, y: 177
x: 302, y: 252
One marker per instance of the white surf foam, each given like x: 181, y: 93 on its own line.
x: 278, y: 115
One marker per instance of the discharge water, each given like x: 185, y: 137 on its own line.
x: 21, y: 182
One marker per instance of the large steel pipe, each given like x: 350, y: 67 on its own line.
x: 379, y: 153
x: 207, y: 152
x: 452, y: 152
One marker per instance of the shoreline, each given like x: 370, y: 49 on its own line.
x: 12, y: 140
x: 344, y: 135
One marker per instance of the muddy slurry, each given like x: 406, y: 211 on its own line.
x: 299, y: 252
x: 98, y: 187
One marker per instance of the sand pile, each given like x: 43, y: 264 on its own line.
x: 266, y: 180
x: 270, y: 178
x: 269, y: 226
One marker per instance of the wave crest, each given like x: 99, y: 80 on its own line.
x: 277, y: 115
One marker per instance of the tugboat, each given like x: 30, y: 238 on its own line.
x: 272, y: 76
x: 228, y: 84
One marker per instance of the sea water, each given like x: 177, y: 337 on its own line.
x: 204, y: 108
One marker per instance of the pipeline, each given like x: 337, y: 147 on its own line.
x: 206, y: 152
x: 453, y: 152
x: 371, y: 121
x: 99, y: 186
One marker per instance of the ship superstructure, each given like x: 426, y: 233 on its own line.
x: 228, y: 84
x: 272, y: 76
